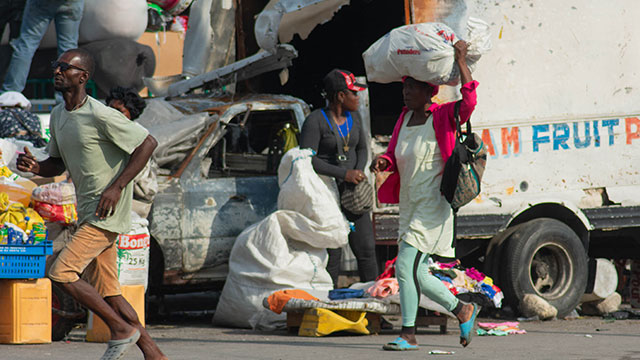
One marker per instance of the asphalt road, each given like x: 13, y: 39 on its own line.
x: 191, y: 337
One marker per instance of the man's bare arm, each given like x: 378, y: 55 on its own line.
x: 137, y: 161
x: 52, y: 166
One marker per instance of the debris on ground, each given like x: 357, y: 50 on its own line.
x: 532, y: 305
x: 609, y: 305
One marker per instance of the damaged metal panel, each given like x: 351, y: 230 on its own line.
x: 165, y: 223
x: 217, y: 211
x: 210, y: 39
x: 246, y: 68
x: 281, y: 19
x: 614, y: 217
x: 196, y: 218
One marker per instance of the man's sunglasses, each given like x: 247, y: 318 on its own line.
x: 64, y: 66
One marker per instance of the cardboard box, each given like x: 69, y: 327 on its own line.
x: 167, y: 47
x: 25, y: 317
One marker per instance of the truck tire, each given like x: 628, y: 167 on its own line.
x: 494, y: 258
x: 61, y: 326
x: 546, y: 258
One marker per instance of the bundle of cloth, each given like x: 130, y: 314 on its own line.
x: 468, y: 284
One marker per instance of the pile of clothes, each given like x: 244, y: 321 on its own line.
x: 17, y: 121
x: 468, y: 284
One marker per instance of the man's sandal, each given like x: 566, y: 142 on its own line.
x: 117, y: 348
x: 466, y: 328
x: 399, y: 344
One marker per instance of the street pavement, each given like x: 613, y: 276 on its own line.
x: 193, y: 338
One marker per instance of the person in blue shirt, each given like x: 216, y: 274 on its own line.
x: 337, y: 136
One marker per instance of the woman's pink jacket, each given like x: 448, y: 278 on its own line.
x: 445, y: 127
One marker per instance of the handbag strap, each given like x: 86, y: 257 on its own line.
x: 456, y: 115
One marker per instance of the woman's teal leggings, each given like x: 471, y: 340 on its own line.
x: 414, y: 278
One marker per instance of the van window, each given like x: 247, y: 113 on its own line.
x: 253, y: 148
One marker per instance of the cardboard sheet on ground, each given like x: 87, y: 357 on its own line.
x: 286, y: 249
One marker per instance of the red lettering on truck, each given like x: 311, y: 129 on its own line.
x: 632, y: 128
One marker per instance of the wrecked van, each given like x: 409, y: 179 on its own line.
x: 225, y: 182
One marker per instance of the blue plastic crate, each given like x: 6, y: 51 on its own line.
x: 24, y: 261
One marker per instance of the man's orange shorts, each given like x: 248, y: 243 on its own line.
x: 93, y: 251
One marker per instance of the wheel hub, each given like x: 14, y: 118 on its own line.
x: 550, y: 271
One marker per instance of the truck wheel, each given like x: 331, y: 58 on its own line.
x: 494, y: 263
x: 61, y: 326
x: 545, y: 257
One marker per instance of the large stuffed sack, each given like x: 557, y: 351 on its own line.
x: 424, y: 52
x: 111, y: 19
x: 103, y: 20
x: 303, y: 191
x: 286, y: 249
x: 121, y: 62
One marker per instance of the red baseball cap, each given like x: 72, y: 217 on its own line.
x: 337, y: 80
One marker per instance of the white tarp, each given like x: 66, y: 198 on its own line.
x: 286, y: 249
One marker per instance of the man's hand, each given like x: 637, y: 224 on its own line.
x: 108, y: 201
x: 27, y: 162
x: 379, y: 164
x: 354, y: 176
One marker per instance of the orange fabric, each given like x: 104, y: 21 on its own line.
x: 279, y: 299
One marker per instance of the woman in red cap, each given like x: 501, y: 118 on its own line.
x: 422, y: 141
x: 336, y: 135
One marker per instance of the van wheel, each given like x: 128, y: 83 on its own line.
x: 546, y: 258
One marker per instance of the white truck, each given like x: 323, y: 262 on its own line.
x: 559, y: 111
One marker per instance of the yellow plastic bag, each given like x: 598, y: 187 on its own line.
x: 17, y: 214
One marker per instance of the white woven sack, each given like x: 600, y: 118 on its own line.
x: 103, y: 20
x: 425, y: 52
x: 312, y: 195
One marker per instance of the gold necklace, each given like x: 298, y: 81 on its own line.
x: 346, y: 142
x: 86, y: 97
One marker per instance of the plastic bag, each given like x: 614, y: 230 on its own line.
x: 65, y: 214
x: 18, y: 214
x: 59, y: 193
x: 18, y: 190
x: 425, y: 52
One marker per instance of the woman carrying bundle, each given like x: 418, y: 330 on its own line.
x: 422, y: 141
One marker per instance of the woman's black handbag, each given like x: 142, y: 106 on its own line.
x: 464, y: 169
x: 357, y: 199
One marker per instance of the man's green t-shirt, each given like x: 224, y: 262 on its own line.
x: 95, y: 143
